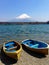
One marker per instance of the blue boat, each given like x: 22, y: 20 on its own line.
x: 37, y: 46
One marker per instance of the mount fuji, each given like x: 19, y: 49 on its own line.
x: 22, y: 18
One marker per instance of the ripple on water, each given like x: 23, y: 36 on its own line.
x: 21, y: 32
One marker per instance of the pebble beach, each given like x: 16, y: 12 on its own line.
x: 27, y: 58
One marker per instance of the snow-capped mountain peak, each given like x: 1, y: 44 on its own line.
x: 23, y: 16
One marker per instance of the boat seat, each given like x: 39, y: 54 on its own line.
x: 34, y: 46
x: 11, y: 49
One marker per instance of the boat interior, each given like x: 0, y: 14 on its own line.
x: 34, y: 44
x: 12, y: 46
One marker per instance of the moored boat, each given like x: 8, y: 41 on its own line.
x: 36, y: 46
x: 12, y: 49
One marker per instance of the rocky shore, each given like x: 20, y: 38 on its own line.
x: 27, y: 58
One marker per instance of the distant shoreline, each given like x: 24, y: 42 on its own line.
x: 24, y: 22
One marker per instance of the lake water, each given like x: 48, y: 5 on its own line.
x: 21, y: 32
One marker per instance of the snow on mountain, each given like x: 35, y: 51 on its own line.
x: 22, y: 18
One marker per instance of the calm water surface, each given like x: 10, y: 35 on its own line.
x: 21, y: 32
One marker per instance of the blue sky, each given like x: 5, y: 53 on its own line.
x: 37, y: 9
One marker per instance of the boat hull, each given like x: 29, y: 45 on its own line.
x: 38, y: 50
x: 15, y: 55
x: 42, y: 51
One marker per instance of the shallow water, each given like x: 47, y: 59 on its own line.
x: 21, y: 32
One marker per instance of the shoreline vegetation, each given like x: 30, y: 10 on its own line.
x: 24, y: 22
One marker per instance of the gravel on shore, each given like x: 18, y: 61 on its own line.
x: 27, y: 58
